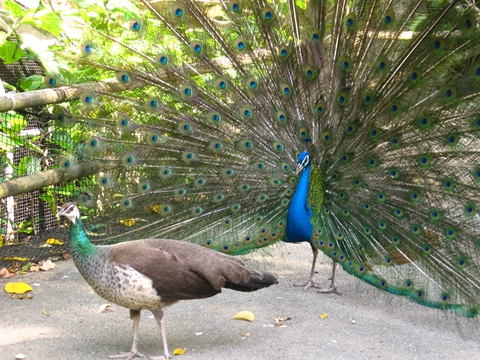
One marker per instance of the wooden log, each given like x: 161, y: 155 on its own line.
x: 13, y: 101
x: 42, y: 179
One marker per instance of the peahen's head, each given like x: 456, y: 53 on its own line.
x: 70, y: 211
x: 303, y: 161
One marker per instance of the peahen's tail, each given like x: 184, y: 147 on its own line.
x: 220, y: 98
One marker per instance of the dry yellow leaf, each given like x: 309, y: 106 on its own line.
x: 127, y: 222
x: 46, y: 312
x: 179, y: 351
x: 53, y: 241
x: 17, y: 287
x: 46, y: 265
x: 4, y: 273
x: 244, y: 315
x: 323, y: 316
x: 1, y: 240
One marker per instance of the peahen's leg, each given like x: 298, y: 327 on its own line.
x: 311, y: 281
x: 158, y: 314
x: 332, y: 289
x: 135, y: 316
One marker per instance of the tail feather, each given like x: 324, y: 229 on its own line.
x: 258, y: 280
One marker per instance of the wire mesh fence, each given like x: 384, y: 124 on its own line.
x: 28, y: 220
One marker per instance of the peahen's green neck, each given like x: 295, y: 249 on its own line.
x: 80, y: 244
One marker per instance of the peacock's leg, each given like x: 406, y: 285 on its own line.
x: 158, y: 314
x: 311, y: 281
x: 135, y: 316
x: 332, y: 289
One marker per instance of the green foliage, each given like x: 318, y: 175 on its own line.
x: 13, y: 8
x: 10, y: 127
x: 26, y: 227
x: 43, y: 19
x: 28, y: 165
x: 31, y: 83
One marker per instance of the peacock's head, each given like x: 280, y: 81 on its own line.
x: 70, y: 211
x: 303, y: 161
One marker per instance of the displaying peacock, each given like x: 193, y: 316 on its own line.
x: 152, y: 274
x: 351, y: 125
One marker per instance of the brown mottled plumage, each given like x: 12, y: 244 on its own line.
x: 151, y: 274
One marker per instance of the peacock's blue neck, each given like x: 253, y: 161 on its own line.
x: 299, y: 228
x: 79, y: 241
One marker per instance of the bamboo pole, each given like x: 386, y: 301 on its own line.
x: 13, y: 101
x: 42, y: 179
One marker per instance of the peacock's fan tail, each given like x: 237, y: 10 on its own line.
x: 219, y: 98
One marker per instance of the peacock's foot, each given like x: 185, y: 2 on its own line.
x: 130, y: 355
x: 309, y: 284
x: 332, y: 289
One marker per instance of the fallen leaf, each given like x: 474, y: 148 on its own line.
x: 279, y: 321
x: 46, y: 313
x: 34, y: 268
x: 244, y: 315
x: 323, y: 316
x: 53, y: 241
x: 26, y: 267
x: 4, y: 273
x: 17, y: 287
x: 105, y: 308
x: 65, y: 256
x: 179, y: 351
x: 46, y: 265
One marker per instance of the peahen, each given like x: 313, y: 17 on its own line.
x: 350, y: 125
x: 152, y: 274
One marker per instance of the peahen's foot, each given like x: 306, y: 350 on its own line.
x: 128, y: 356
x: 309, y: 284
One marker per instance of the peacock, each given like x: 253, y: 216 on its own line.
x: 350, y: 125
x: 153, y: 274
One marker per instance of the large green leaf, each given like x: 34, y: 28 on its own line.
x: 13, y: 8
x: 29, y: 165
x: 45, y: 20
x: 11, y: 52
x: 63, y: 139
x: 32, y: 82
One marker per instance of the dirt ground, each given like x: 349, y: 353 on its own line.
x: 364, y: 323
